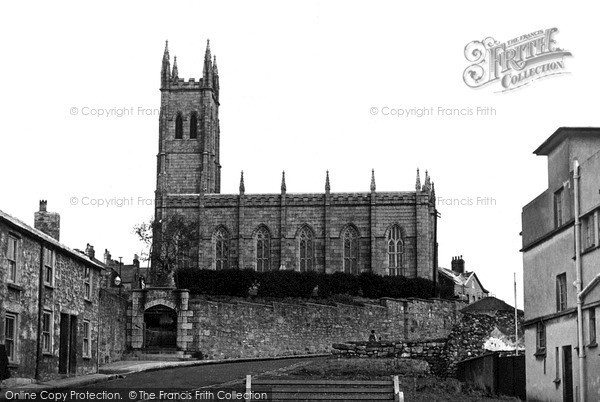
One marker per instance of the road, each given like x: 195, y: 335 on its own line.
x: 197, y: 376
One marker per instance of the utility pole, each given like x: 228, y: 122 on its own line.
x: 120, y: 273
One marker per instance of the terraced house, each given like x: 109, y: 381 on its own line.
x: 561, y: 271
x: 49, y: 301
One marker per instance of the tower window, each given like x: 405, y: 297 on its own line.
x: 263, y: 250
x: 350, y: 250
x: 395, y: 251
x: 222, y: 249
x: 194, y: 126
x: 178, y: 127
x: 306, y: 249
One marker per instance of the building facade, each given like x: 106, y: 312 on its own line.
x: 389, y: 233
x: 561, y: 260
x: 466, y: 285
x: 49, y: 301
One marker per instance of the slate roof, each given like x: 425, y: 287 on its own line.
x: 43, y: 237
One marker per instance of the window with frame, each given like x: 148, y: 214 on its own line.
x: 263, y: 250
x: 589, y: 238
x: 561, y: 292
x: 592, y: 329
x: 87, y: 283
x: 558, y: 208
x: 305, y: 239
x: 395, y: 251
x: 87, y: 339
x: 178, y: 127
x: 350, y: 250
x: 10, y: 336
x: 194, y: 126
x: 47, y: 324
x: 12, y: 255
x: 540, y: 338
x: 222, y: 249
x: 49, y: 261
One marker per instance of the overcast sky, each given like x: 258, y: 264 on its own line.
x: 298, y: 81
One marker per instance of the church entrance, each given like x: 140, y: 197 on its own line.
x: 160, y: 324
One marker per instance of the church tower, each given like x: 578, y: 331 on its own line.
x: 188, y: 145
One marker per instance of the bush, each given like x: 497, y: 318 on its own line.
x: 281, y: 284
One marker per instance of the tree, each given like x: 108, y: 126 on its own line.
x: 173, y: 244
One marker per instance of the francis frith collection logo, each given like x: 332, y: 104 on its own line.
x: 516, y: 62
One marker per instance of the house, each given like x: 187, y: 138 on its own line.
x: 49, y: 301
x: 561, y: 266
x: 466, y: 284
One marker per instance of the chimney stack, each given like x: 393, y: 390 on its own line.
x: 136, y: 260
x: 107, y: 257
x: 47, y: 222
x: 89, y: 251
x: 458, y: 265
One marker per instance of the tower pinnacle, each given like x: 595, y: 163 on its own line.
x: 165, y: 71
x: 242, y: 186
x: 283, y: 186
x: 418, y: 181
x: 372, y: 179
x: 175, y: 74
x: 207, y: 72
x: 327, y: 185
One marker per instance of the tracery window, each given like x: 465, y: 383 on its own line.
x: 395, y: 251
x: 350, y: 250
x: 263, y: 250
x: 222, y: 249
x: 305, y: 239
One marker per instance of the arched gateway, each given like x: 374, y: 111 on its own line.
x: 160, y: 327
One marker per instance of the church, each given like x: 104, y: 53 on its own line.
x: 386, y: 233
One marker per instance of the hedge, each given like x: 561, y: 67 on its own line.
x: 280, y: 284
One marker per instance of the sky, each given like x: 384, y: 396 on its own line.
x: 306, y: 87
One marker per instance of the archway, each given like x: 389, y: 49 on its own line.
x: 160, y: 324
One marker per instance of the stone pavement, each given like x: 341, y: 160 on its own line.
x: 115, y: 370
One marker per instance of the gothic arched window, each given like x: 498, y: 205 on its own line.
x: 350, y: 250
x: 305, y: 239
x: 395, y: 251
x: 193, y: 126
x: 222, y: 249
x: 178, y: 127
x: 263, y: 250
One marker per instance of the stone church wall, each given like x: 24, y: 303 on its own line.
x: 327, y: 215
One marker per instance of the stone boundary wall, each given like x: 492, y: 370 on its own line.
x: 221, y: 330
x: 430, y: 350
x: 112, y: 329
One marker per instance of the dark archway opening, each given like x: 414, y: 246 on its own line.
x: 160, y: 327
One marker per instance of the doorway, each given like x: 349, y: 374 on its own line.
x: 67, y: 360
x: 160, y: 324
x: 567, y: 374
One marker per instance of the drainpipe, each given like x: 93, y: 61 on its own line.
x: 581, y: 347
x: 38, y: 351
